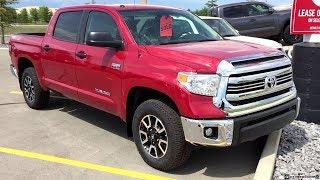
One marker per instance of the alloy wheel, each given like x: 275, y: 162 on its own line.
x: 153, y: 136
x: 29, y: 89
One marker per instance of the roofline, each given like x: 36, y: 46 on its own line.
x: 209, y: 17
x: 118, y: 6
x: 241, y: 3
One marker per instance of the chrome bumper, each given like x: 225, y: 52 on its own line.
x: 227, y: 129
x: 194, y: 131
x: 13, y: 71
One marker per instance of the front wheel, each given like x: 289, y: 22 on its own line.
x: 158, y: 135
x: 289, y: 38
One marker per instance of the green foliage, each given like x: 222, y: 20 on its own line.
x: 211, y: 3
x: 45, y: 14
x: 201, y: 12
x: 23, y: 16
x: 7, y: 15
x: 34, y: 15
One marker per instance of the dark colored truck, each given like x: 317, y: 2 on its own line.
x: 163, y: 71
x: 258, y: 19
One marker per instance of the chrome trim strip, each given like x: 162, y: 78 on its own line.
x: 194, y: 131
x: 298, y: 107
x: 234, y: 111
x: 260, y: 76
x: 13, y: 71
x: 257, y: 93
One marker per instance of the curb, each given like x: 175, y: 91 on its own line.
x: 267, y: 160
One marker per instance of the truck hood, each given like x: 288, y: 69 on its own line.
x: 261, y: 41
x: 206, y: 56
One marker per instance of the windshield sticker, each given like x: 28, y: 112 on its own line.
x: 166, y: 26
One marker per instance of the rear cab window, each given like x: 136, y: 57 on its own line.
x: 68, y: 26
x: 235, y: 12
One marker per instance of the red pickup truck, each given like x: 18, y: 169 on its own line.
x: 163, y: 71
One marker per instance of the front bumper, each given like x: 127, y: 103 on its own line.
x: 13, y: 71
x: 241, y: 129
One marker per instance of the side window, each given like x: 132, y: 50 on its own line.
x: 235, y: 12
x: 68, y: 26
x: 257, y: 9
x: 102, y: 22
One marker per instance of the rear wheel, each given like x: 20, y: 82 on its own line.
x: 34, y: 95
x: 289, y: 38
x: 159, y: 137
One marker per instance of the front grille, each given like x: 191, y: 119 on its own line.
x: 251, y: 86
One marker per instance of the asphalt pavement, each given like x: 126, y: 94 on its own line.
x: 67, y: 130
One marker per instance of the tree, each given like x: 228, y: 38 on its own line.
x: 201, y: 12
x: 211, y: 3
x: 6, y: 16
x: 45, y: 14
x: 34, y: 15
x: 23, y: 16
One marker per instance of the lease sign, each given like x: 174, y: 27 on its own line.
x: 305, y: 17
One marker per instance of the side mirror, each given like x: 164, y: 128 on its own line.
x: 271, y: 10
x: 103, y: 39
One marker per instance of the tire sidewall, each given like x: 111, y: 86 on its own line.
x: 141, y: 112
x: 31, y: 73
x: 287, y: 36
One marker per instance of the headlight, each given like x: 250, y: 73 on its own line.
x: 202, y: 84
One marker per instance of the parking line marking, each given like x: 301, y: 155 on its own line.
x: 81, y: 164
x: 16, y: 92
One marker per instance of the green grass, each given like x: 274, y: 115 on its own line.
x: 24, y: 29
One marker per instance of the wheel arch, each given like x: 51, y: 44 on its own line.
x: 140, y: 94
x: 23, y: 63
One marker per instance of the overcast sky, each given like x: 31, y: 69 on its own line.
x: 184, y: 4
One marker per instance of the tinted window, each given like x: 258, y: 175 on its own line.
x: 235, y: 12
x: 102, y: 22
x: 222, y: 27
x: 257, y: 9
x: 68, y: 26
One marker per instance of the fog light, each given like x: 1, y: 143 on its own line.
x: 208, y: 132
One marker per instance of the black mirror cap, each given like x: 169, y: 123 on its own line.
x: 113, y: 44
x: 103, y: 39
x: 271, y: 10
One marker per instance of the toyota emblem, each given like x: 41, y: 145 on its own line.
x: 270, y: 82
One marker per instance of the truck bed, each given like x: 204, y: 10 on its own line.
x: 27, y: 39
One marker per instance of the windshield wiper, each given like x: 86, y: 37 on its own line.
x: 229, y: 35
x: 178, y: 42
x: 175, y: 42
x: 204, y: 40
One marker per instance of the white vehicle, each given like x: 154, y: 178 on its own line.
x: 228, y: 32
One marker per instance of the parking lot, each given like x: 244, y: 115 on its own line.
x: 69, y: 130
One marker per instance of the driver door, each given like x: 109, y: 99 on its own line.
x: 99, y: 69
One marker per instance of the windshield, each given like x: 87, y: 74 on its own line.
x: 158, y: 27
x: 222, y: 27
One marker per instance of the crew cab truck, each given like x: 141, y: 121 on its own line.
x: 163, y: 71
x: 258, y: 19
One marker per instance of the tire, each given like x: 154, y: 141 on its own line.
x: 290, y: 39
x: 34, y: 95
x: 177, y: 151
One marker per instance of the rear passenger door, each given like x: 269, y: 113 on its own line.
x: 99, y: 69
x: 58, y: 55
x: 237, y: 17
